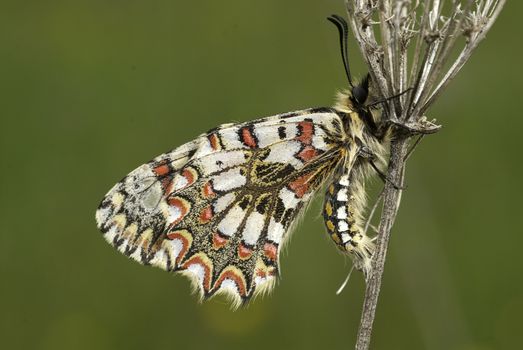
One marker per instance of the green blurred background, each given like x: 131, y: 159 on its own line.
x: 91, y: 89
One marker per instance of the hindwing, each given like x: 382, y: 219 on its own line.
x: 219, y: 208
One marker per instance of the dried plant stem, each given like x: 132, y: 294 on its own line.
x: 391, y: 202
x: 384, y: 30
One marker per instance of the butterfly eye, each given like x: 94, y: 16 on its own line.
x: 360, y: 94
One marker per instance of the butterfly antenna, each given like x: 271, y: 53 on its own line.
x: 343, y: 30
x: 389, y: 98
x: 342, y: 287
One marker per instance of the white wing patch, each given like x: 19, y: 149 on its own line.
x: 219, y: 208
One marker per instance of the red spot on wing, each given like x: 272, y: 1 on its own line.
x: 218, y: 241
x: 182, y: 237
x: 266, y: 272
x: 162, y: 170
x: 237, y: 279
x: 167, y: 185
x: 271, y: 251
x: 244, y: 252
x: 207, y: 268
x: 180, y: 204
x: 214, y: 140
x: 189, y: 175
x: 207, y: 190
x: 308, y: 153
x: 248, y: 138
x: 300, y: 186
x: 306, y: 132
x: 261, y: 273
x: 206, y: 214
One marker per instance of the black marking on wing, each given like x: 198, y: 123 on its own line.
x: 281, y: 133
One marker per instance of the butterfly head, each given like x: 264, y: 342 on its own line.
x: 360, y: 93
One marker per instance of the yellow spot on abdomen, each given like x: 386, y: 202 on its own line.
x: 330, y: 225
x: 328, y: 209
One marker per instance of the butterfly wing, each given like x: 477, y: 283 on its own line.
x: 219, y: 208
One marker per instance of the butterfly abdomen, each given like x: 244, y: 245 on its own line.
x: 342, y: 213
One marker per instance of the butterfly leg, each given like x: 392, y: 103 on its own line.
x: 367, y: 154
x: 384, y: 176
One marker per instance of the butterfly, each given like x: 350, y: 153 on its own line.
x: 219, y: 208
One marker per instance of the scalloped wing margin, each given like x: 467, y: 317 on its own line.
x: 218, y: 209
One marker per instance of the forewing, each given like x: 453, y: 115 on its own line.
x: 219, y: 208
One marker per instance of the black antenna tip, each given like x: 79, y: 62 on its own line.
x: 337, y: 17
x: 343, y: 30
x: 338, y: 20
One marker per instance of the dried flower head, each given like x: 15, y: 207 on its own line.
x: 410, y: 43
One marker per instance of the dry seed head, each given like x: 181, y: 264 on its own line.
x: 414, y: 44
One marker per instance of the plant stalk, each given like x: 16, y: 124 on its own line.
x: 391, y: 202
